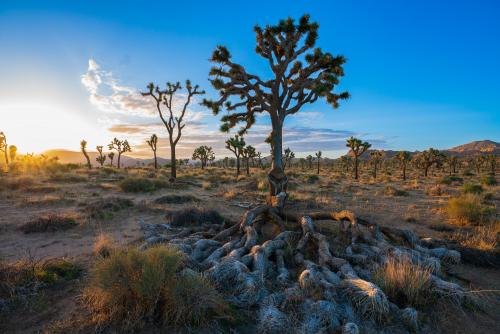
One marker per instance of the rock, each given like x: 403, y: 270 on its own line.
x: 350, y: 328
x: 409, y: 316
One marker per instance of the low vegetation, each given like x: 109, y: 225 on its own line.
x: 141, y: 185
x: 194, y: 217
x: 51, y: 222
x: 468, y: 209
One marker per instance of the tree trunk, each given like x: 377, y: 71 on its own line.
x: 404, y: 172
x: 355, y: 167
x: 318, y: 167
x: 237, y: 166
x: 426, y: 171
x: 173, y: 163
x: 156, y: 162
x: 277, y: 178
x: 6, y: 154
x: 248, y: 167
x: 119, y: 159
x: 375, y: 172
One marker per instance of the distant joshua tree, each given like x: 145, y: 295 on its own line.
x: 376, y: 158
x: 309, y: 160
x: 111, y: 156
x: 345, y: 162
x: 492, y: 160
x: 259, y: 159
x: 83, y: 147
x: 102, y: 157
x: 287, y: 158
x: 357, y: 147
x: 318, y: 159
x: 12, y: 152
x: 236, y: 145
x: 426, y: 159
x: 174, y: 124
x: 452, y: 161
x: 121, y: 146
x: 477, y: 162
x: 403, y: 157
x: 4, y: 147
x: 204, y: 154
x: 152, y: 142
x: 300, y: 74
x: 248, y: 154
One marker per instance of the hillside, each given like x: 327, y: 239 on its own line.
x: 477, y: 147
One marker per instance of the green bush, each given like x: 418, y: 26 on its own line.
x: 489, y: 180
x: 468, y: 209
x: 450, y: 179
x: 131, y: 287
x: 139, y: 184
x: 472, y: 189
x: 312, y: 179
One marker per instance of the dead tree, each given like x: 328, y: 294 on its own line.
x: 357, y: 147
x: 318, y: 160
x: 403, y: 157
x: 204, y: 154
x: 300, y: 74
x: 152, y: 143
x: 83, y: 147
x: 376, y: 158
x: 4, y: 147
x: 102, y: 157
x: 236, y: 145
x: 121, y: 146
x: 174, y: 122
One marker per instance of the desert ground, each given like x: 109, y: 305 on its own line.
x: 69, y: 215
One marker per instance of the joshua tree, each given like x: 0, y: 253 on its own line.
x: 491, y: 159
x: 310, y: 159
x: 258, y: 155
x: 236, y: 145
x: 345, y: 161
x: 248, y: 154
x: 83, y: 147
x: 152, y: 142
x: 121, y: 146
x: 111, y: 156
x: 452, y: 161
x: 403, y: 157
x: 357, y: 147
x: 204, y: 154
x: 376, y: 158
x: 12, y: 152
x: 287, y: 157
x: 102, y: 157
x: 173, y: 123
x: 300, y: 74
x: 318, y: 159
x: 426, y: 159
x: 477, y: 162
x: 4, y: 147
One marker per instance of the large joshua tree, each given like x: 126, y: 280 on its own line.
x: 236, y: 145
x: 299, y: 74
x: 121, y: 146
x: 204, y: 154
x: 152, y: 143
x: 173, y: 121
x: 403, y: 157
x: 83, y: 148
x: 357, y: 147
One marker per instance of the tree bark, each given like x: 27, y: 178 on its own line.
x: 248, y: 167
x: 119, y: 159
x: 404, y: 172
x: 156, y: 162
x: 277, y: 178
x: 173, y: 163
x: 355, y: 167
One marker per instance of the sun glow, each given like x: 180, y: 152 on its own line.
x: 37, y: 127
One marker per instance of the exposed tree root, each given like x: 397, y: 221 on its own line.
x: 301, y: 280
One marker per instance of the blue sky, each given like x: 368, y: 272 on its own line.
x: 420, y: 73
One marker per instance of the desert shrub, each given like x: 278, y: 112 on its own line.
x: 55, y: 270
x: 468, y: 173
x: 404, y: 282
x: 51, y: 222
x: 467, y: 209
x: 436, y: 190
x: 130, y: 287
x: 176, y: 199
x: 311, y: 179
x: 392, y: 191
x: 489, y: 180
x: 16, y: 183
x: 450, y: 179
x: 139, y: 184
x: 67, y: 177
x: 472, y: 189
x: 262, y: 185
x: 194, y: 217
x: 105, y: 208
x: 484, y: 238
x: 103, y: 245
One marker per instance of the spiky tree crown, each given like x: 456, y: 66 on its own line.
x: 236, y: 144
x: 121, y: 146
x: 83, y: 145
x: 357, y: 146
x: 318, y: 154
x: 301, y: 74
x: 203, y: 153
x: 152, y: 142
x: 403, y: 156
x: 249, y: 152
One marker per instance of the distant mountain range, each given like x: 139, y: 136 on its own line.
x: 469, y: 149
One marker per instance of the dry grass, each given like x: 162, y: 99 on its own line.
x: 404, y: 282
x: 51, y: 222
x: 131, y: 287
x: 484, y: 238
x: 103, y: 245
x: 194, y: 217
x: 467, y: 209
